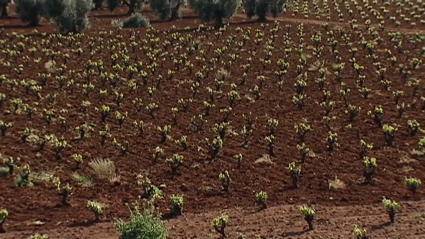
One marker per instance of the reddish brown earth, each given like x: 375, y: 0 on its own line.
x: 277, y: 222
x: 338, y: 210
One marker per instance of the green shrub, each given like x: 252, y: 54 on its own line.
x: 162, y: 8
x: 135, y: 6
x: 360, y: 233
x: 136, y: 20
x: 167, y: 9
x: 412, y: 184
x: 392, y: 208
x: 176, y: 205
x: 112, y: 4
x: 277, y: 6
x: 96, y: 208
x: 308, y: 214
x: 250, y: 7
x: 74, y: 17
x: 4, y: 171
x: 144, y: 223
x: 3, y: 215
x: 220, y: 224
x: 53, y: 8
x: 29, y: 11
x: 3, y: 8
x: 213, y: 10
x: 39, y: 236
x: 97, y: 4
x: 260, y: 8
x: 23, y: 178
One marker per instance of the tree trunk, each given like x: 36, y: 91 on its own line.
x: 176, y: 211
x: 218, y: 20
x: 175, y: 13
x: 34, y: 22
x: 295, y: 179
x: 262, y: 18
x: 368, y: 176
x: 131, y: 6
x: 309, y: 220
x: 65, y: 195
x: 3, y: 10
x: 391, y: 214
x: 98, y: 4
x: 11, y: 168
x: 2, y: 230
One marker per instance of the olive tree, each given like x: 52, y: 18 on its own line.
x: 97, y: 4
x: 53, y: 8
x: 133, y: 5
x: 261, y: 8
x: 29, y: 11
x: 167, y: 9
x: 215, y: 10
x: 74, y: 15
x: 136, y: 20
x: 3, y: 8
x: 112, y: 4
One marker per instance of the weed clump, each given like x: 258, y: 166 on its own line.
x: 136, y: 20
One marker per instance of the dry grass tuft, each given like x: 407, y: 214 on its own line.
x: 104, y: 169
x: 418, y: 153
x: 265, y: 159
x: 82, y: 180
x: 222, y: 74
x: 42, y: 176
x: 336, y: 184
x: 50, y: 66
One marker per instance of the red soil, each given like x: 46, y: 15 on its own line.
x: 337, y: 209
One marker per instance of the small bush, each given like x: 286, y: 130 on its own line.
x: 112, y: 4
x: 360, y: 233
x: 53, y: 8
x: 96, y: 208
x: 308, y: 214
x: 4, y: 171
x: 3, y: 215
x: 220, y: 224
x: 261, y: 199
x: 136, y: 20
x: 213, y: 10
x: 135, y: 6
x: 412, y: 184
x: 104, y: 168
x: 3, y: 8
x: 249, y: 7
x: 260, y: 8
x: 39, y: 236
x: 82, y: 180
x: 145, y: 223
x: 176, y: 205
x: 277, y: 6
x: 167, y: 9
x: 29, y: 11
x: 74, y: 17
x: 392, y: 207
x: 97, y: 4
x: 23, y: 178
x: 162, y: 8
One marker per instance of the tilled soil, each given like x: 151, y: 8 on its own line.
x: 38, y: 208
x: 277, y: 222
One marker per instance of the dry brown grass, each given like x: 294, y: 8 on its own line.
x: 105, y: 169
x: 336, y: 184
x: 265, y: 159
